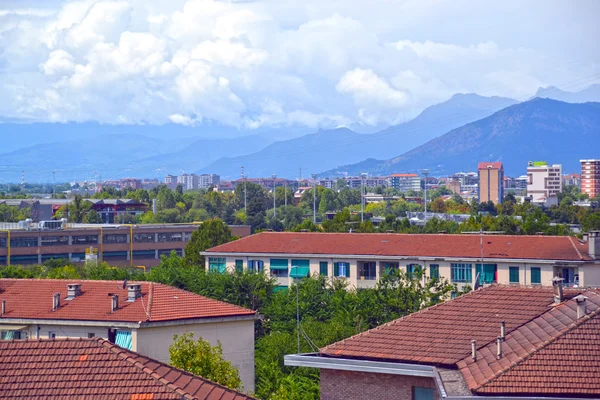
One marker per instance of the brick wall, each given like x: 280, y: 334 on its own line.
x: 348, y: 385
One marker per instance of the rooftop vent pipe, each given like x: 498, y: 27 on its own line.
x: 581, y: 306
x: 55, y: 301
x: 114, y: 303
x: 3, y: 307
x: 474, y: 350
x: 503, y: 330
x: 557, y: 284
x: 73, y: 290
x: 499, y: 347
x: 134, y: 290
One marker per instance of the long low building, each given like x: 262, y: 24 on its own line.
x: 117, y: 244
x: 363, y: 258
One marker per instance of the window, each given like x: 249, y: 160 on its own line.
x: 461, y: 272
x: 29, y: 241
x: 54, y: 240
x: 513, y: 274
x: 114, y: 239
x: 434, y: 271
x: 411, y: 269
x: 77, y: 257
x: 217, y: 264
x: 144, y: 254
x: 46, y: 257
x: 178, y: 252
x: 256, y: 265
x: 51, y: 335
x: 187, y: 236
x: 123, y: 339
x: 389, y: 267
x: 536, y: 275
x: 323, y: 268
x: 170, y: 237
x: 341, y: 269
x: 487, y: 274
x: 421, y: 393
x: 115, y: 255
x: 239, y: 265
x: 143, y: 237
x: 91, y: 335
x: 28, y: 259
x: 87, y: 239
x: 2, y: 242
x: 279, y: 267
x: 10, y: 335
x: 300, y: 269
x: 366, y: 270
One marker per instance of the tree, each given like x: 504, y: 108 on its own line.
x: 92, y: 217
x: 209, y: 234
x: 200, y: 358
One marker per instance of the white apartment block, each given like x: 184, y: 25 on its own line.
x: 544, y: 182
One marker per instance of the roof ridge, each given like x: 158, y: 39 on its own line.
x: 569, y: 328
x: 575, y: 247
x: 150, y: 301
x: 127, y: 355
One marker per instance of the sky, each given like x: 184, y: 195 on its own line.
x: 282, y: 63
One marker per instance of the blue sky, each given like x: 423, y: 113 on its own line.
x: 263, y: 64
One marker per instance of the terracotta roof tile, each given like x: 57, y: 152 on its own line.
x: 410, y: 245
x: 32, y: 299
x: 38, y: 369
x: 491, y: 165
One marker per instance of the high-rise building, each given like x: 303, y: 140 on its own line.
x: 491, y: 182
x: 590, y: 177
x: 544, y: 182
x: 208, y: 180
x: 405, y: 182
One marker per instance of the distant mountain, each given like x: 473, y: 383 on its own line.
x: 539, y: 129
x: 591, y: 93
x: 327, y: 149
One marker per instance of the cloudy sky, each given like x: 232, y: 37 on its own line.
x: 277, y: 63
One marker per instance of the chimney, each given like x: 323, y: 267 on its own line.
x: 73, y: 290
x: 3, y: 307
x: 114, y: 302
x: 594, y: 244
x: 134, y: 290
x: 499, y: 347
x: 581, y: 306
x: 474, y: 350
x: 503, y: 330
x: 557, y: 284
x: 55, y: 301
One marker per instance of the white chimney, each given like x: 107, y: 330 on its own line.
x: 503, y: 330
x: 581, y: 306
x: 3, y: 307
x: 55, y: 301
x: 557, y: 284
x: 73, y: 290
x: 594, y: 244
x: 474, y: 350
x: 134, y: 290
x: 499, y: 347
x: 114, y: 303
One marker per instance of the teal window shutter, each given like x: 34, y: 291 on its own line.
x: 239, y: 265
x: 123, y: 339
x: 434, y: 271
x: 217, y: 264
x: 488, y: 274
x: 513, y: 273
x: 278, y: 264
x: 536, y: 275
x: 336, y: 269
x: 323, y: 268
x: 300, y: 269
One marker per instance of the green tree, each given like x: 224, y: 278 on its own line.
x: 209, y: 234
x: 200, y: 358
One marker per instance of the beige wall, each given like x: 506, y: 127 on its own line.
x: 236, y: 337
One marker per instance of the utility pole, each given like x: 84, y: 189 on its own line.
x: 314, y: 177
x: 285, y: 194
x: 425, y: 172
x: 53, y: 184
x: 244, y: 178
x: 274, y: 210
x: 362, y: 198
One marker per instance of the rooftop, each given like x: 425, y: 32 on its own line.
x: 490, y: 165
x: 98, y: 369
x: 410, y: 245
x: 404, y: 175
x: 33, y: 299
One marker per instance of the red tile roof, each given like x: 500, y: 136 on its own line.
x: 553, y: 353
x: 95, y: 369
x: 410, y: 245
x: 32, y: 299
x: 491, y: 165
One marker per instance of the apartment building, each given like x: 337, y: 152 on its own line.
x: 362, y: 259
x: 590, y: 177
x: 497, y: 342
x: 544, y: 182
x: 170, y: 181
x: 138, y: 316
x: 208, y: 180
x: 405, y: 182
x: 491, y: 182
x: 125, y: 245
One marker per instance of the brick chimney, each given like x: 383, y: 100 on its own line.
x: 594, y: 244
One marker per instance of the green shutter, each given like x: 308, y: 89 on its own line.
x: 277, y: 263
x: 280, y: 289
x: 336, y: 269
x: 488, y: 275
x: 536, y: 275
x: 513, y: 273
x: 434, y: 271
x: 299, y: 272
x: 323, y: 268
x: 239, y: 265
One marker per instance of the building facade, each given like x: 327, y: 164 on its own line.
x: 208, y: 180
x: 491, y: 182
x: 138, y: 316
x: 405, y: 182
x: 23, y: 244
x: 361, y: 259
x: 590, y: 177
x: 544, y: 182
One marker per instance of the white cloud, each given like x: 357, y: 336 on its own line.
x: 256, y: 64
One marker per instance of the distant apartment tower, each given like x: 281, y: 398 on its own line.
x: 188, y: 181
x: 131, y: 183
x: 405, y: 182
x: 590, y: 177
x: 454, y: 186
x: 208, y: 180
x: 491, y: 182
x: 170, y: 181
x: 544, y: 182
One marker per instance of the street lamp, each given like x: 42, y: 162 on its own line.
x: 274, y: 210
x: 362, y: 198
x: 314, y: 177
x: 425, y: 172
